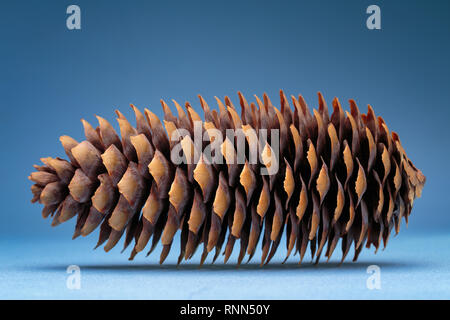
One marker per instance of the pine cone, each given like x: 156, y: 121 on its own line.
x: 343, y: 176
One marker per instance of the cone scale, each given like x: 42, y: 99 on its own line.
x: 330, y: 177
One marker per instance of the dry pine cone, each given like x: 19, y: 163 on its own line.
x: 343, y: 176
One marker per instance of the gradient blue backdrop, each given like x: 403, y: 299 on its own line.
x: 140, y: 51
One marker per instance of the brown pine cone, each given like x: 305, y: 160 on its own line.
x: 320, y: 178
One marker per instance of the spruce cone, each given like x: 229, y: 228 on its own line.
x: 343, y: 176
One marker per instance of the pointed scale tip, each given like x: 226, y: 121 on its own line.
x: 76, y: 234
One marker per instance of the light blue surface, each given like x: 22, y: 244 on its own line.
x: 412, y: 267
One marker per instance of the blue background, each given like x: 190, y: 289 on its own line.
x: 141, y: 51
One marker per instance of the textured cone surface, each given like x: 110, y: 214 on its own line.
x: 328, y: 178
